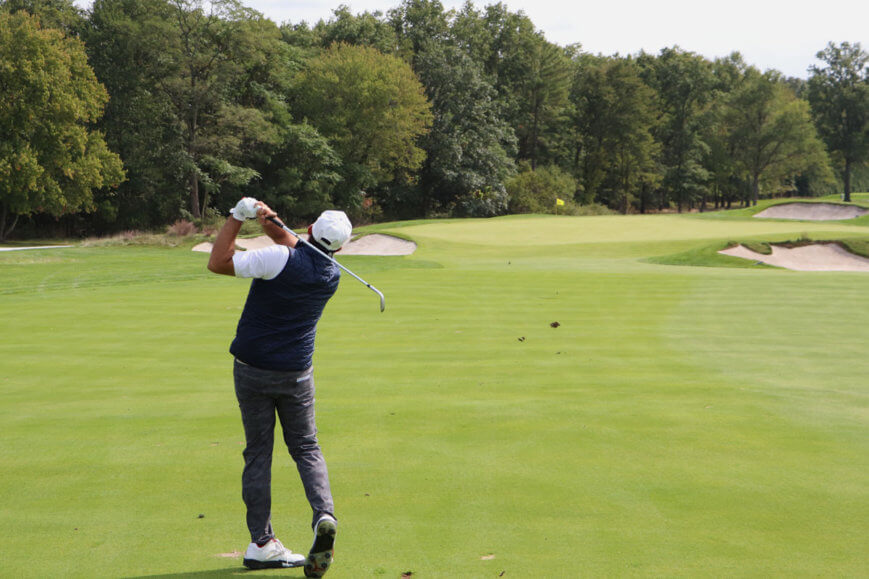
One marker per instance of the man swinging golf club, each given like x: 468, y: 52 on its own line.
x: 273, y: 348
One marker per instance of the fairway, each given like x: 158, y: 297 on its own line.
x: 677, y: 421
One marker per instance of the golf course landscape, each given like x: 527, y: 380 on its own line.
x: 544, y: 396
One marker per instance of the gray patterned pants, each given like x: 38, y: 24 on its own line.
x: 262, y: 394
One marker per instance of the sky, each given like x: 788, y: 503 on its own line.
x: 778, y: 34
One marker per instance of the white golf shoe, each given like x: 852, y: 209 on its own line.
x: 272, y: 555
x: 323, y: 549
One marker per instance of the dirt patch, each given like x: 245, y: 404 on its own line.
x: 374, y: 244
x: 812, y: 212
x: 814, y: 257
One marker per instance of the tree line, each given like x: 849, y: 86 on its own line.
x: 136, y: 113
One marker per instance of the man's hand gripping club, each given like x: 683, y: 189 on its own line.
x: 224, y: 246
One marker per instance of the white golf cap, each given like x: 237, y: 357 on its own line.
x: 332, y: 229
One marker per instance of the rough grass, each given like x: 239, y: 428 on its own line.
x: 851, y: 234
x: 143, y: 239
x: 858, y: 246
x: 761, y: 247
x: 680, y: 421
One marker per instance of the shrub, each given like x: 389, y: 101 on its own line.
x: 181, y: 228
x: 536, y: 191
x: 481, y: 203
x: 369, y: 211
x: 586, y: 210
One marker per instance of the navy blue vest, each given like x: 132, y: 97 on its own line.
x: 279, y: 322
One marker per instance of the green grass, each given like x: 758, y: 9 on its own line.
x: 760, y: 247
x: 758, y: 235
x: 681, y: 421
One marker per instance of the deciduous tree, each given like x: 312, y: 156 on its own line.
x: 125, y: 41
x: 839, y: 97
x: 614, y: 118
x: 365, y: 29
x: 470, y: 147
x: 771, y: 132
x: 50, y: 159
x: 531, y: 75
x: 418, y: 23
x: 62, y: 15
x: 372, y: 109
x: 208, y: 59
x: 682, y: 82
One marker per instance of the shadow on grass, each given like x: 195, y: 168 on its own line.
x: 214, y: 573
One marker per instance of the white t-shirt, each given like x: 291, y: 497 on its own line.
x: 265, y: 263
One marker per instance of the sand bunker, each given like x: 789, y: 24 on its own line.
x: 374, y: 244
x: 254, y: 242
x: 812, y: 211
x: 815, y: 257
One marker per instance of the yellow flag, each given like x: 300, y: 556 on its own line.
x: 559, y: 201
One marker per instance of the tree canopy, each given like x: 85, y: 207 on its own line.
x: 50, y: 161
x: 839, y: 97
x: 372, y: 109
x: 418, y: 111
x: 770, y: 132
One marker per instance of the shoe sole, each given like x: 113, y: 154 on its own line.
x: 254, y: 564
x: 320, y: 557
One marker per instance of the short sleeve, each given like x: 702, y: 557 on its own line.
x: 265, y: 263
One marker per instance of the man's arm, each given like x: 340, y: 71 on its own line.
x: 278, y: 235
x: 224, y: 248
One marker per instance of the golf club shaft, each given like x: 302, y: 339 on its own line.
x: 330, y: 258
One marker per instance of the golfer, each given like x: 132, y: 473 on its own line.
x: 273, y: 348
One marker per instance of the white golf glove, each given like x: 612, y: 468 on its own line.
x: 245, y: 209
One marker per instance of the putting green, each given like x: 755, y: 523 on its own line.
x: 679, y: 421
x: 555, y: 231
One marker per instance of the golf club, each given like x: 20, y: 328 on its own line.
x: 332, y: 259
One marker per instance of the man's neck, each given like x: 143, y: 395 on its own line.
x: 320, y: 247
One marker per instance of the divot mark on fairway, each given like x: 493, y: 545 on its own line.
x: 488, y: 557
x: 230, y: 555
